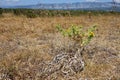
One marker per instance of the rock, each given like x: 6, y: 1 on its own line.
x: 65, y: 63
x: 77, y: 64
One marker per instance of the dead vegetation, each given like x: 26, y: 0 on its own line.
x: 29, y: 49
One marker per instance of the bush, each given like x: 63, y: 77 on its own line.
x: 1, y: 11
x: 77, y: 34
x: 17, y: 12
x: 31, y: 14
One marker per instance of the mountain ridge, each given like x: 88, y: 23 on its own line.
x: 76, y: 6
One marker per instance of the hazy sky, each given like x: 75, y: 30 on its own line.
x: 27, y: 2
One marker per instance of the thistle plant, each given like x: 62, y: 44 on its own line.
x: 77, y: 34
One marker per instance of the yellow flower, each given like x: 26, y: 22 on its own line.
x: 92, y: 34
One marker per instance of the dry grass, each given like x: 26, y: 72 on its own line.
x: 27, y: 43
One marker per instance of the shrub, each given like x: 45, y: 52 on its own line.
x: 1, y: 11
x: 77, y: 34
x: 17, y: 12
x: 31, y: 14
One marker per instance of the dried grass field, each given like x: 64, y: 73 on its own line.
x: 28, y: 45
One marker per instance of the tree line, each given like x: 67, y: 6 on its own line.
x: 32, y: 13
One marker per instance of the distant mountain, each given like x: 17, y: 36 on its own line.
x: 76, y: 6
